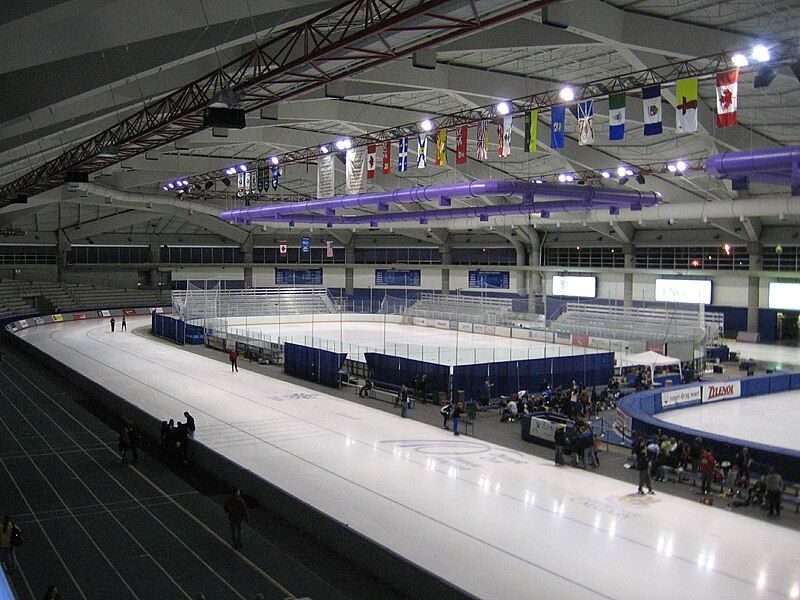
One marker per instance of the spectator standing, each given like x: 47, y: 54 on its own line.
x: 402, y: 395
x: 643, y: 466
x: 458, y: 409
x: 236, y: 508
x: 10, y: 539
x: 124, y: 444
x: 404, y: 407
x: 234, y: 358
x: 133, y: 437
x: 190, y: 426
x: 560, y: 439
x: 445, y: 412
x: 743, y: 463
x: 774, y: 485
x: 708, y: 465
x: 113, y: 324
x: 124, y: 325
x: 488, y: 385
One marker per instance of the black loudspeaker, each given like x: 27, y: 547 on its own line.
x: 20, y: 199
x: 76, y: 177
x: 229, y: 118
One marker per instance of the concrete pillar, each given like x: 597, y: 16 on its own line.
x: 535, y: 277
x: 627, y: 293
x: 753, y: 288
x: 155, y: 259
x: 522, y: 278
x: 447, y: 259
x: 349, y: 262
x: 247, y: 260
x: 62, y: 249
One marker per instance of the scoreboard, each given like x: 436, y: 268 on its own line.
x: 298, y: 276
x: 489, y: 279
x: 399, y: 277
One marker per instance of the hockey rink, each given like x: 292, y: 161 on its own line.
x: 495, y: 522
x: 442, y: 346
x: 773, y: 419
x: 784, y: 355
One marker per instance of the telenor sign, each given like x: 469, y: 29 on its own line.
x: 721, y: 391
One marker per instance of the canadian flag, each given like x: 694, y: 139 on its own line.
x: 370, y: 161
x: 727, y: 98
x: 283, y: 248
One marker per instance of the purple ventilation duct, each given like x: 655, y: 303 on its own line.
x: 557, y: 198
x: 777, y: 166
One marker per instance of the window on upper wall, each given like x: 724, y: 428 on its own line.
x: 201, y: 255
x: 272, y: 255
x: 388, y: 256
x: 484, y: 256
x: 108, y: 255
x: 27, y: 255
x: 729, y: 258
x: 580, y: 256
x: 780, y: 258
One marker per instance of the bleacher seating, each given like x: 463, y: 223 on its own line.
x: 206, y: 304
x: 456, y: 307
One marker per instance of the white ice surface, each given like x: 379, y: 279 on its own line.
x: 498, y: 523
x: 411, y: 341
x: 789, y: 355
x: 772, y: 419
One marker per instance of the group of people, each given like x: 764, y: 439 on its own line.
x: 575, y: 402
x: 123, y: 325
x: 452, y: 411
x: 175, y: 438
x: 128, y: 441
x: 582, y: 444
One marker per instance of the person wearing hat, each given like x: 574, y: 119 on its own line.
x: 560, y: 439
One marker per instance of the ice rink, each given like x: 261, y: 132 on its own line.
x: 495, y: 522
x: 772, y: 419
x: 786, y: 355
x: 410, y: 341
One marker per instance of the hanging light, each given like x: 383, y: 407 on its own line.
x: 681, y: 166
x: 503, y: 108
x: 621, y: 171
x: 760, y: 53
x: 671, y: 168
x: 324, y: 149
x: 739, y: 60
x: 426, y: 125
x: 567, y: 94
x: 569, y: 177
x: 243, y: 168
x: 344, y: 144
x: 605, y: 174
x: 562, y: 177
x: 274, y: 160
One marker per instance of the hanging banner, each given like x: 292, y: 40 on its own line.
x: 254, y: 182
x: 247, y: 180
x: 482, y: 152
x: 686, y: 105
x: 616, y: 116
x: 240, y: 182
x: 370, y: 161
x: 305, y: 244
x: 531, y: 130
x: 504, y: 136
x: 558, y: 117
x: 387, y: 158
x: 422, y: 150
x: 727, y: 98
x: 283, y: 248
x: 326, y: 177
x: 586, y: 123
x: 651, y: 104
x: 441, y: 145
x: 275, y: 173
x: 329, y: 248
x: 402, y: 155
x: 461, y: 145
x: 355, y: 166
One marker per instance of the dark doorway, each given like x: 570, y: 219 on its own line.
x: 787, y: 330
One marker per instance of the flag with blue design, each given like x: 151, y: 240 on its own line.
x: 616, y: 116
x: 422, y: 150
x: 586, y: 123
x: 558, y: 116
x: 651, y: 103
x: 402, y: 155
x: 482, y: 139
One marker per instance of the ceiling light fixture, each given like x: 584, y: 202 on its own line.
x: 567, y: 94
x: 426, y: 125
x: 760, y: 53
x: 503, y: 108
x: 274, y: 160
x: 739, y: 60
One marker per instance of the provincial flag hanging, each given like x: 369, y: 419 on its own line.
x: 441, y: 146
x: 283, y: 248
x: 651, y: 103
x: 387, y: 158
x: 686, y: 105
x: 504, y: 136
x: 422, y: 150
x: 326, y: 176
x: 727, y: 98
x: 355, y: 165
x: 586, y: 123
x: 531, y: 130
x: 248, y: 180
x: 461, y: 145
x: 240, y: 182
x: 402, y: 155
x: 275, y: 173
x: 370, y: 161
x: 329, y: 248
x: 616, y: 116
x: 482, y: 137
x: 558, y: 116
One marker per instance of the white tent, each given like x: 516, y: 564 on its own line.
x: 650, y: 360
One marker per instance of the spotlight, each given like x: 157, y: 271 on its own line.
x: 760, y: 53
x: 243, y: 168
x: 230, y: 170
x: 570, y: 178
x: 426, y: 125
x: 727, y: 248
x: 503, y: 108
x: 567, y: 94
x: 640, y: 179
x: 179, y: 183
x: 209, y: 185
x: 764, y: 77
x: 605, y: 174
x: 324, y: 149
x: 343, y: 144
x: 539, y: 181
x: 185, y: 182
x: 621, y: 171
x: 671, y: 168
x: 165, y: 188
x: 629, y: 172
x: 225, y: 181
x: 681, y: 166
x: 562, y: 178
x: 739, y: 60
x: 171, y: 186
x: 274, y: 160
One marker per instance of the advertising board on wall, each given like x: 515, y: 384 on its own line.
x: 688, y: 291
x: 723, y: 390
x: 678, y: 397
x: 543, y: 429
x: 573, y: 285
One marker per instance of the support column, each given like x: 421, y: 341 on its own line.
x: 447, y: 258
x: 349, y: 261
x: 627, y: 293
x: 62, y: 249
x: 753, y: 287
x: 247, y: 260
x: 535, y: 277
x: 155, y: 259
x: 522, y: 279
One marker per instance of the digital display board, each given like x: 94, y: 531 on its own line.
x: 580, y: 287
x: 689, y: 291
x: 489, y: 279
x: 298, y: 276
x: 407, y: 277
x: 784, y: 295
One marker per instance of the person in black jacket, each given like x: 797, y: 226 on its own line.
x: 560, y: 439
x: 189, y: 423
x: 643, y: 466
x: 455, y: 415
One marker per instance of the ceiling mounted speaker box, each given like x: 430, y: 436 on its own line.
x: 76, y: 177
x: 228, y: 118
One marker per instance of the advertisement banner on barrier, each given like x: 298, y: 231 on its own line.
x: 78, y: 316
x: 38, y: 321
x: 723, y: 390
x: 104, y: 313
x: 580, y: 340
x: 543, y: 429
x: 465, y: 327
x: 478, y: 328
x: 678, y: 397
x: 453, y: 325
x: 441, y: 324
x: 488, y: 329
x: 23, y: 323
x: 58, y: 318
x: 420, y: 321
x: 563, y: 338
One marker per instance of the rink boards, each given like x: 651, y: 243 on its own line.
x: 494, y: 522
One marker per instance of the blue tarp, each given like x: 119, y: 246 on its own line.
x: 313, y: 364
x: 394, y: 371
